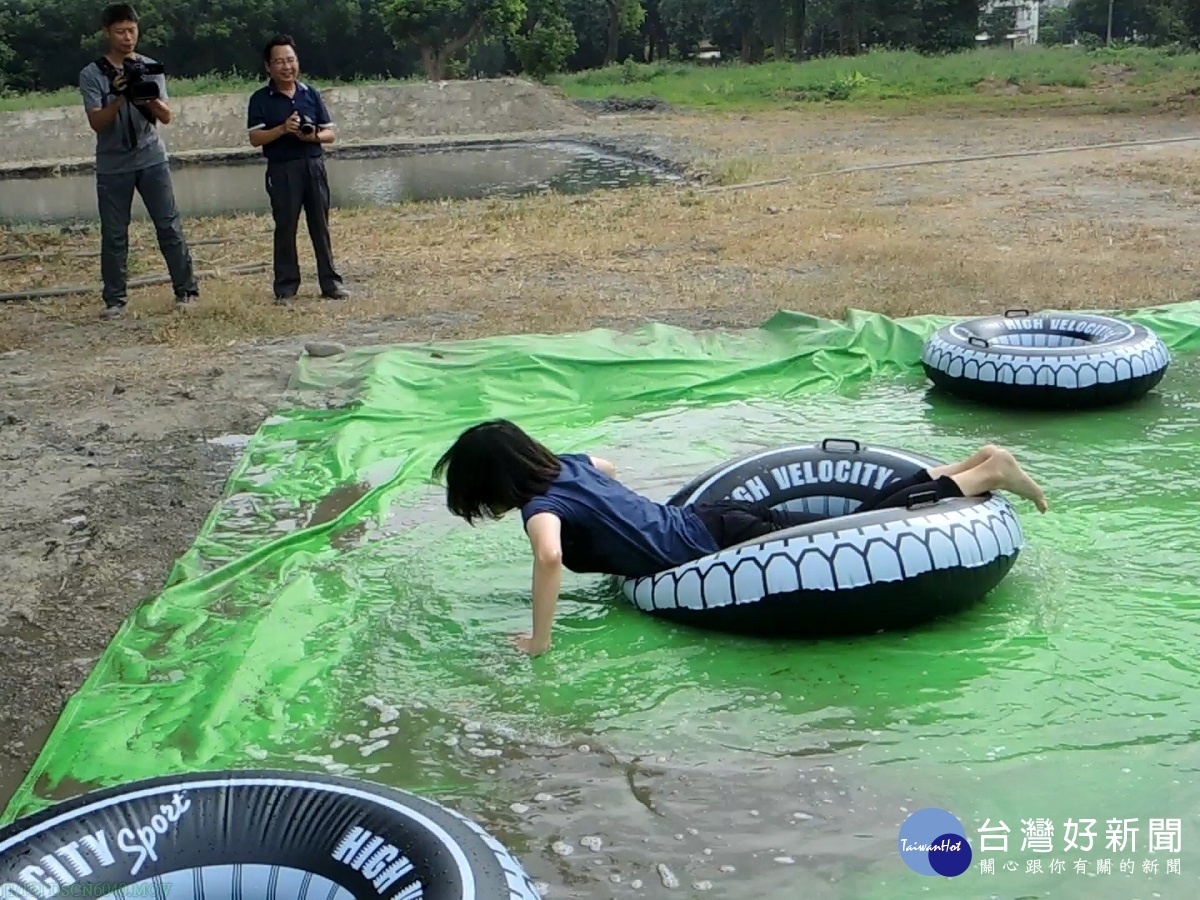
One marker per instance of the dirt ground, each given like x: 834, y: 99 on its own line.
x: 105, y: 470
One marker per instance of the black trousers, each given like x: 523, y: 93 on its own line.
x: 294, y: 184
x: 731, y: 522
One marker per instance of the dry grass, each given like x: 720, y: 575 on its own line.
x: 900, y: 242
x: 1180, y: 175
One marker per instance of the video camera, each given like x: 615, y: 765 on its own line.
x: 139, y: 86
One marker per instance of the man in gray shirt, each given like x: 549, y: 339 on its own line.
x: 125, y: 110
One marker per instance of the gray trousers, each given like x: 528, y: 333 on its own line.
x: 292, y: 185
x: 114, y: 194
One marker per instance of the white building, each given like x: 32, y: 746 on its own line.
x: 1026, y: 30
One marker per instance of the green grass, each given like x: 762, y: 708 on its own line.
x: 1104, y: 79
x: 1026, y: 76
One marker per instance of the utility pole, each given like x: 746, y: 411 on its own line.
x: 1110, y: 10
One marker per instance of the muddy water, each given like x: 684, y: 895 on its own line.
x: 234, y: 188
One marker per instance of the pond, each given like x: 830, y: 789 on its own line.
x: 355, y: 180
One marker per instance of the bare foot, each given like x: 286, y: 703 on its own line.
x: 1011, y: 477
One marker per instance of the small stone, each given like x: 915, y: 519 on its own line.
x: 728, y: 870
x: 519, y: 808
x: 542, y: 798
x: 592, y: 842
x: 784, y: 860
x: 702, y: 886
x: 669, y: 881
x: 562, y: 848
x: 323, y: 348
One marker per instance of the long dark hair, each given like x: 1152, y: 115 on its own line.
x: 494, y: 467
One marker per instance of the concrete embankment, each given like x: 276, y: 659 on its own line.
x: 57, y: 139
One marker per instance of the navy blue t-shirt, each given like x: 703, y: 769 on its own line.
x: 270, y: 108
x: 608, y: 528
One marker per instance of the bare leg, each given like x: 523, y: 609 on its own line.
x: 1000, y: 472
x: 978, y: 458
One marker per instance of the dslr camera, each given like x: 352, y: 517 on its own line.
x: 139, y: 86
x: 307, y: 125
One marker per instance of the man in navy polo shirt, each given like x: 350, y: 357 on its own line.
x: 288, y: 119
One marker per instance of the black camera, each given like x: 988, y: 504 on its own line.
x: 139, y: 86
x: 307, y: 125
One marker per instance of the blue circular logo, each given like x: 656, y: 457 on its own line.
x: 933, y: 842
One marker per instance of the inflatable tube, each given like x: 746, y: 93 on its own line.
x: 255, y: 835
x: 851, y: 573
x: 1056, y: 360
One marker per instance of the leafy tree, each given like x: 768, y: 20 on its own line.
x: 44, y: 43
x: 687, y: 21
x: 440, y: 29
x: 998, y: 22
x: 545, y: 40
x: 1055, y: 25
x: 948, y: 25
x: 798, y: 26
x: 624, y: 16
x: 1152, y: 21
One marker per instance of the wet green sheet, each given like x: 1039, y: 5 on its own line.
x: 330, y: 583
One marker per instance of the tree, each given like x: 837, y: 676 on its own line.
x: 798, y: 25
x: 545, y: 40
x: 623, y: 16
x: 948, y: 25
x: 1055, y: 26
x: 998, y: 23
x: 440, y: 29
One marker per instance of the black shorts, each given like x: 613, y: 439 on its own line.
x: 733, y: 522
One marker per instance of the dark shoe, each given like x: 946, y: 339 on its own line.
x: 113, y: 311
x: 187, y: 299
x: 284, y: 299
x: 338, y: 293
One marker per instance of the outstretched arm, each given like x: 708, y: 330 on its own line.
x: 545, y: 537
